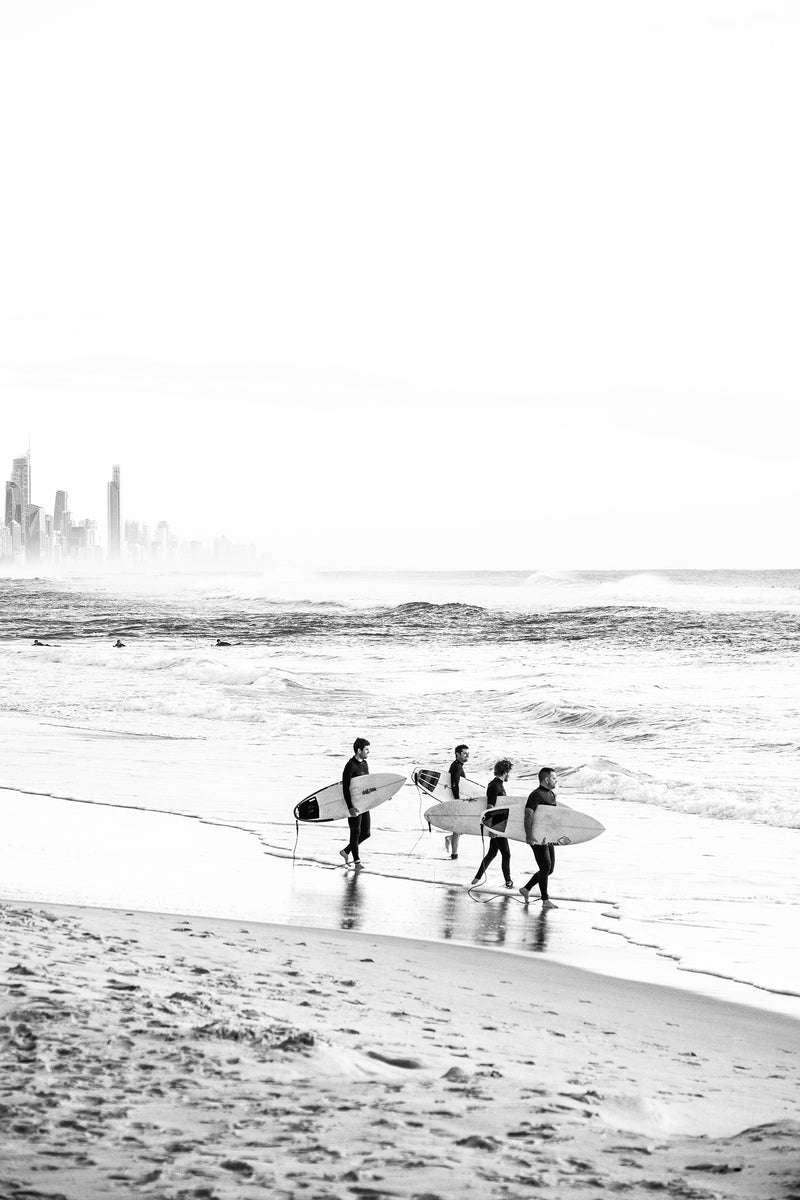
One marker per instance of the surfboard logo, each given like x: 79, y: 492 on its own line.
x: 368, y: 791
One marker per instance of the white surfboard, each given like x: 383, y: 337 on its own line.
x: 553, y: 824
x: 366, y: 792
x: 436, y: 784
x: 464, y: 816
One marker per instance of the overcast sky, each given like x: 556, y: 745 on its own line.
x: 409, y: 284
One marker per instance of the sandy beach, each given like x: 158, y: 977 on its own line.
x: 200, y: 1001
x: 173, y: 1057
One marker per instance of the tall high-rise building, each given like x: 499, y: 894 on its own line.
x: 35, y: 537
x: 113, y: 513
x: 13, y: 506
x: 21, y: 476
x: 59, y: 512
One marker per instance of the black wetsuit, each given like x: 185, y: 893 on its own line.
x: 359, y: 825
x: 497, y: 845
x: 545, y: 855
x: 456, y: 773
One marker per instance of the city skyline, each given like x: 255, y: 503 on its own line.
x: 32, y: 537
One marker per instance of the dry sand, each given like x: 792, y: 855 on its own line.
x: 167, y: 1057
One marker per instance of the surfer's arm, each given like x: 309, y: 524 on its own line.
x: 347, y: 775
x: 534, y: 800
x: 454, y: 778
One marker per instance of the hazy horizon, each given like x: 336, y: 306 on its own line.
x: 408, y: 286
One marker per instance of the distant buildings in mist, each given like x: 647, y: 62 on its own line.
x: 30, y: 536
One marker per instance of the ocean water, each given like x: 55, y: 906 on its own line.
x: 668, y: 702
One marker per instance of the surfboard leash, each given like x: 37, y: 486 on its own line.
x: 416, y: 843
x: 419, y: 802
x: 474, y: 894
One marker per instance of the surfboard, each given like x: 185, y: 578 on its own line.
x: 463, y: 816
x: 366, y: 791
x: 553, y: 824
x: 437, y: 785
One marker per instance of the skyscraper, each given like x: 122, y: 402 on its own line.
x: 113, y: 513
x: 21, y: 476
x: 59, y: 512
x: 13, y: 509
x: 35, y: 538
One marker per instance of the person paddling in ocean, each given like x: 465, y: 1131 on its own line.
x: 118, y: 645
x: 498, y: 845
x: 545, y: 855
x: 457, y: 773
x: 359, y: 822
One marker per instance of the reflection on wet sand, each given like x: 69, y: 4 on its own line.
x: 450, y: 920
x: 487, y: 920
x: 492, y: 920
x: 538, y: 932
x: 369, y: 902
x: 350, y: 917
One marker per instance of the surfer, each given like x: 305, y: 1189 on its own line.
x: 38, y: 643
x: 359, y: 822
x: 456, y: 773
x: 545, y: 855
x: 221, y: 643
x: 499, y: 845
x: 118, y: 645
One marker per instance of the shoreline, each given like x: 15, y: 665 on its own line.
x: 198, y: 1056
x: 116, y: 857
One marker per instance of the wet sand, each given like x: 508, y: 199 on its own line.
x: 78, y: 853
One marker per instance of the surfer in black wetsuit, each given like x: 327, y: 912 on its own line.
x: 359, y: 822
x: 545, y: 855
x: 498, y: 845
x: 118, y: 645
x: 456, y: 774
x: 221, y: 643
